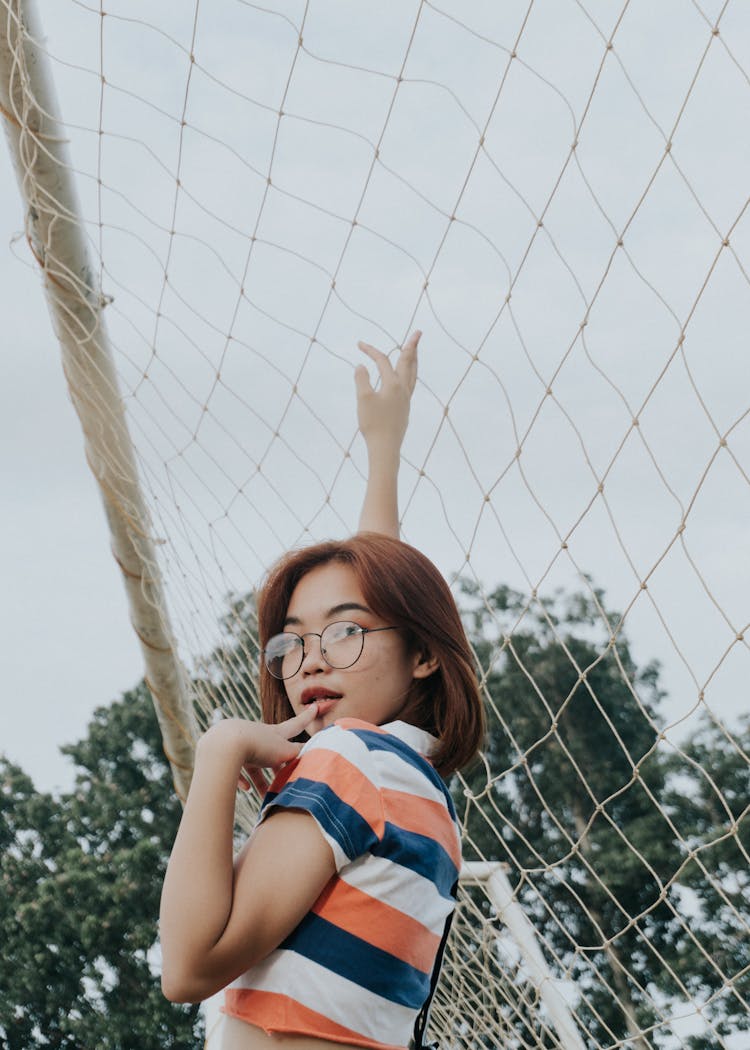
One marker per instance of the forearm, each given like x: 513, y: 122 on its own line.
x: 198, y: 887
x: 383, y: 416
x: 380, y: 506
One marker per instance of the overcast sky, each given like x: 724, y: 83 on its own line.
x: 67, y: 645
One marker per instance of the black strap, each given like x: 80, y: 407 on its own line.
x: 423, y: 1017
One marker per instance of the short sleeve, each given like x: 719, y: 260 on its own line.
x: 335, y: 781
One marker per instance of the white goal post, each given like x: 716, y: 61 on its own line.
x: 37, y: 142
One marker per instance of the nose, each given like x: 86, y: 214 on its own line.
x: 312, y: 659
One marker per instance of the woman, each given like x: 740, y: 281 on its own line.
x: 327, y: 924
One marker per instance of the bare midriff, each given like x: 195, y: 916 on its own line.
x: 239, y: 1035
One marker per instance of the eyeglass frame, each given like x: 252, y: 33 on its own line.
x: 319, y: 634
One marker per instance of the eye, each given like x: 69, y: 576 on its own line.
x: 281, y: 645
x: 339, y: 632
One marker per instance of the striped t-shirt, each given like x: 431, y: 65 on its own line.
x: 357, y: 968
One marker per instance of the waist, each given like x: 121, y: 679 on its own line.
x: 282, y: 1021
x: 240, y: 1035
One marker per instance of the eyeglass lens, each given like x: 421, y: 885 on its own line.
x: 341, y: 646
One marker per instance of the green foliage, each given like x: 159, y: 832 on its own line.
x: 709, y: 801
x: 585, y: 810
x: 631, y: 861
x: 81, y: 876
x: 229, y: 674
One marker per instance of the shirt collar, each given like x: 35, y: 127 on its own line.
x: 419, y: 740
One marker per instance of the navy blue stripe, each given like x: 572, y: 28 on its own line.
x: 349, y: 956
x: 419, y: 853
x: 339, y: 820
x: 386, y: 742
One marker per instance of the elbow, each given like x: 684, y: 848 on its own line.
x: 179, y: 990
x: 179, y: 985
x: 185, y: 985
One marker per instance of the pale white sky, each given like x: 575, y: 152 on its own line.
x: 67, y: 645
x: 436, y: 231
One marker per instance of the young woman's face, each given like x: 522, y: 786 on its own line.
x: 374, y: 688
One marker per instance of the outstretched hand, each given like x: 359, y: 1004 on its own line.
x: 383, y: 414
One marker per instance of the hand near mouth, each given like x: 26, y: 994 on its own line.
x: 256, y: 746
x: 325, y: 699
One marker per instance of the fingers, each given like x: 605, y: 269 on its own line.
x: 295, y: 725
x: 383, y: 364
x: 253, y: 776
x: 260, y: 779
x: 362, y: 381
x: 406, y: 366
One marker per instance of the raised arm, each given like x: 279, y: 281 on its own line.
x: 383, y: 416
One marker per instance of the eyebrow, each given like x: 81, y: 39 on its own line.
x: 334, y: 611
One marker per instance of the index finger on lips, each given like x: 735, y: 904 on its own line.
x: 298, y: 722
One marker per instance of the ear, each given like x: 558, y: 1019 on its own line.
x: 425, y: 665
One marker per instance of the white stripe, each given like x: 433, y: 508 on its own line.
x: 384, y: 768
x: 418, y: 739
x: 344, y: 1002
x: 345, y: 743
x: 400, y: 888
x: 395, y: 772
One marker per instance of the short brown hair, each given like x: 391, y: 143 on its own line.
x: 401, y: 586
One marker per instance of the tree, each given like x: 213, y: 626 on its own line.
x: 709, y: 800
x: 81, y: 876
x: 572, y: 747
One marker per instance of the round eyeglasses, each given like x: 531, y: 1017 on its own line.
x: 341, y: 645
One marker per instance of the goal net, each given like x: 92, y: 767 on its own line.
x: 556, y: 194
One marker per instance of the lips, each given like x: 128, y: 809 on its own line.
x: 319, y: 693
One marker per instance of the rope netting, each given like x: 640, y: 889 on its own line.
x: 556, y: 195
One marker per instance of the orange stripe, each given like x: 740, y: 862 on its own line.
x: 359, y: 723
x: 346, y: 781
x: 378, y: 924
x: 274, y: 1012
x: 283, y: 775
x: 424, y: 817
